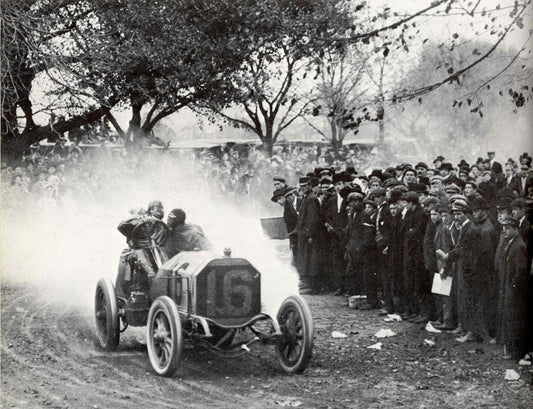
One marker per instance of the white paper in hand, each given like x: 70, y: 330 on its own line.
x: 441, y: 285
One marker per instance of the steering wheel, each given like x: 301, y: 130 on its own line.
x: 150, y: 231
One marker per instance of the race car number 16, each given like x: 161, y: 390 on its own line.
x: 235, y: 286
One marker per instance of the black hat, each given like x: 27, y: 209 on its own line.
x: 376, y: 173
x: 504, y: 202
x: 439, y: 159
x: 370, y: 202
x: 351, y: 170
x: 303, y: 181
x: 463, y: 164
x: 279, y: 179
x: 395, y: 195
x: 379, y: 191
x: 279, y: 193
x: 314, y: 181
x: 421, y: 165
x: 479, y: 203
x: 338, y: 177
x: 520, y: 203
x: 410, y: 197
x: 446, y: 166
x: 418, y: 187
x: 391, y: 183
x: 345, y: 191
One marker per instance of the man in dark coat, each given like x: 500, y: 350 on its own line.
x: 495, y: 167
x: 383, y: 241
x: 484, y: 283
x: 416, y: 278
x: 468, y: 256
x: 361, y: 249
x: 336, y: 222
x: 285, y: 198
x: 510, y: 262
x: 524, y: 180
x: 309, y: 224
x: 184, y: 236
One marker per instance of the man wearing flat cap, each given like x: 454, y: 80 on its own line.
x: 511, y: 265
x: 361, y: 250
x: 279, y: 182
x: 421, y: 169
x: 309, y: 224
x: 472, y: 323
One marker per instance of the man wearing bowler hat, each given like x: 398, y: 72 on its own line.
x: 309, y: 224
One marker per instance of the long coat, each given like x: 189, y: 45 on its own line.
x: 309, y: 223
x: 510, y: 262
x: 291, y: 222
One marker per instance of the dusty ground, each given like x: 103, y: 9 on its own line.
x: 50, y: 359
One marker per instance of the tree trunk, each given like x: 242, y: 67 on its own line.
x: 268, y: 138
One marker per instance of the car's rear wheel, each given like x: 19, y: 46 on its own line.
x: 164, y: 337
x: 106, y: 315
x: 294, y: 347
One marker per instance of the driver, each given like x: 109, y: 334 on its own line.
x: 183, y: 236
x: 140, y: 251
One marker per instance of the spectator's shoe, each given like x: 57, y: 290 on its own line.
x: 468, y: 337
x: 420, y: 320
x: 406, y: 316
x: 413, y: 317
x: 445, y: 327
x: 457, y: 331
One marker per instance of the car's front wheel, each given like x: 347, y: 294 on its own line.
x: 295, y: 346
x: 164, y: 338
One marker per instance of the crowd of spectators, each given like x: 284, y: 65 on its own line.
x: 384, y: 234
x: 390, y: 235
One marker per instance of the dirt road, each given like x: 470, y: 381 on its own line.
x: 50, y: 359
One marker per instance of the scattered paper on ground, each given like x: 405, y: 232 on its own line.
x: 392, y: 317
x: 337, y: 334
x: 384, y: 333
x: 431, y: 328
x: 511, y: 375
x: 429, y: 342
x: 377, y: 345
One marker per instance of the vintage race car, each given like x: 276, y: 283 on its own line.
x: 203, y: 298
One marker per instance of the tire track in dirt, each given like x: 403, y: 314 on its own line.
x: 49, y: 358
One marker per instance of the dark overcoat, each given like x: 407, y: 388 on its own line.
x: 309, y: 223
x: 510, y: 263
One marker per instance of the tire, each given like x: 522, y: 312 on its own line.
x: 164, y: 338
x: 295, y: 347
x: 106, y: 315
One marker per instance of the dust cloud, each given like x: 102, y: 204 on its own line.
x: 64, y: 253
